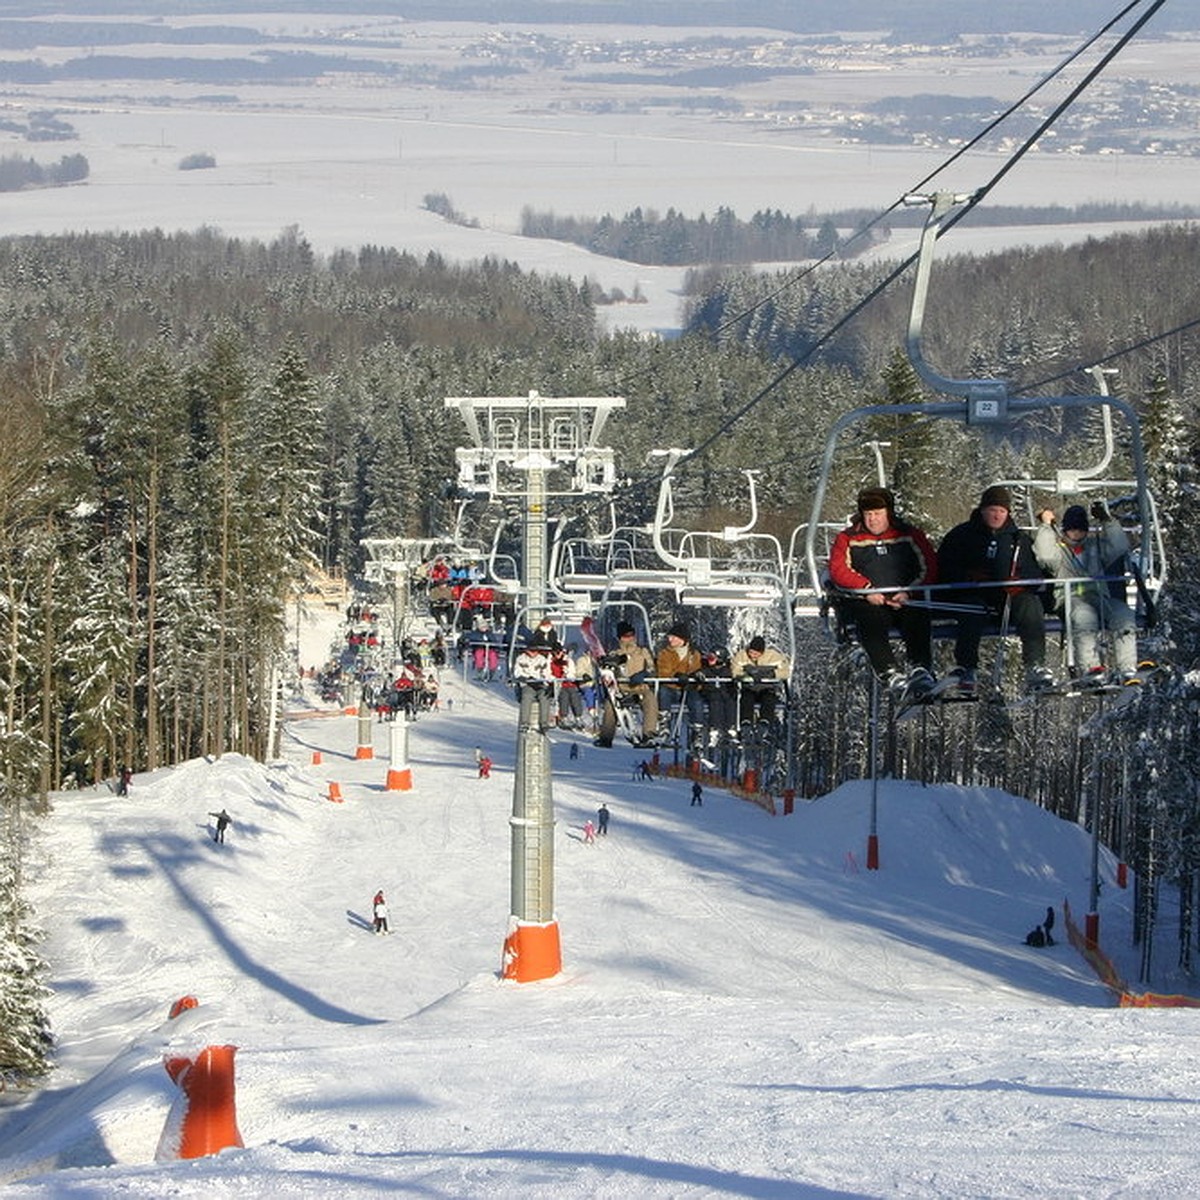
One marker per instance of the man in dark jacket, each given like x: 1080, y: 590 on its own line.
x: 879, y: 550
x: 988, y: 547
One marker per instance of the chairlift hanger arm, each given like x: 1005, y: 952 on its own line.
x: 991, y: 391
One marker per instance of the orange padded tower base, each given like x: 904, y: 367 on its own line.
x: 204, y: 1120
x: 532, y: 952
x: 399, y: 779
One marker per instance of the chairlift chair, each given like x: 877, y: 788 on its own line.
x: 987, y: 404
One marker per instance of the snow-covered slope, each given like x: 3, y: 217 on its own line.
x: 744, y: 1009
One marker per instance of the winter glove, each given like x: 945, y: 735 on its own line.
x: 1100, y: 510
x: 640, y: 677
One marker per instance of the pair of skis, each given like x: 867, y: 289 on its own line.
x: 947, y: 691
x: 1119, y: 693
x: 610, y: 694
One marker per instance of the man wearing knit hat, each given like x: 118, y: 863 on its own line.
x: 680, y: 662
x: 760, y: 671
x: 880, y: 551
x: 1087, y: 605
x: 987, y: 549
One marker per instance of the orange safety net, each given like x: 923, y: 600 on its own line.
x: 1108, y: 975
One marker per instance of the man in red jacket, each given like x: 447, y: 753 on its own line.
x: 879, y: 550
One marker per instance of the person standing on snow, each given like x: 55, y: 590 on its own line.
x: 380, y: 910
x: 697, y: 795
x: 602, y: 820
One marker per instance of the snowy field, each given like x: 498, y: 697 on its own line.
x: 743, y: 1011
x: 350, y: 164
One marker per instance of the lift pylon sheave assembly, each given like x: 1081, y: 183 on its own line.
x: 533, y: 448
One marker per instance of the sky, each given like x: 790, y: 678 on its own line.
x: 743, y: 1010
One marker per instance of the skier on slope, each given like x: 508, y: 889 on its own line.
x: 223, y: 821
x: 380, y: 910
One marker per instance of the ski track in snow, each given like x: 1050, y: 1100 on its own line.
x: 744, y: 1010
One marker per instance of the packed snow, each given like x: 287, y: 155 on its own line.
x: 743, y: 1008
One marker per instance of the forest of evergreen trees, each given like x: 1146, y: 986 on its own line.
x: 188, y: 419
x: 770, y: 235
x: 18, y: 173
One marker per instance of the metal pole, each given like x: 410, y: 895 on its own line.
x: 873, y: 750
x: 1092, y: 919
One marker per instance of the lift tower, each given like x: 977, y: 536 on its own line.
x: 533, y: 448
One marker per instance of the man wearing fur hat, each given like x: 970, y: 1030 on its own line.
x: 989, y: 547
x: 879, y: 550
x: 626, y: 672
x: 1073, y: 552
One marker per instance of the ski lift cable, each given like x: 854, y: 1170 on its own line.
x: 1116, y: 354
x: 797, y: 278
x: 1014, y: 107
x: 969, y: 203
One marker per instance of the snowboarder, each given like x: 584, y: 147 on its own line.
x: 124, y: 779
x: 697, y: 794
x: 485, y: 767
x: 224, y: 820
x: 1048, y: 924
x: 602, y: 820
x: 379, y: 908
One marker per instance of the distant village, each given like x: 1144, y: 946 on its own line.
x: 706, y: 74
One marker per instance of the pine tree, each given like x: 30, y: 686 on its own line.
x: 24, y: 1025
